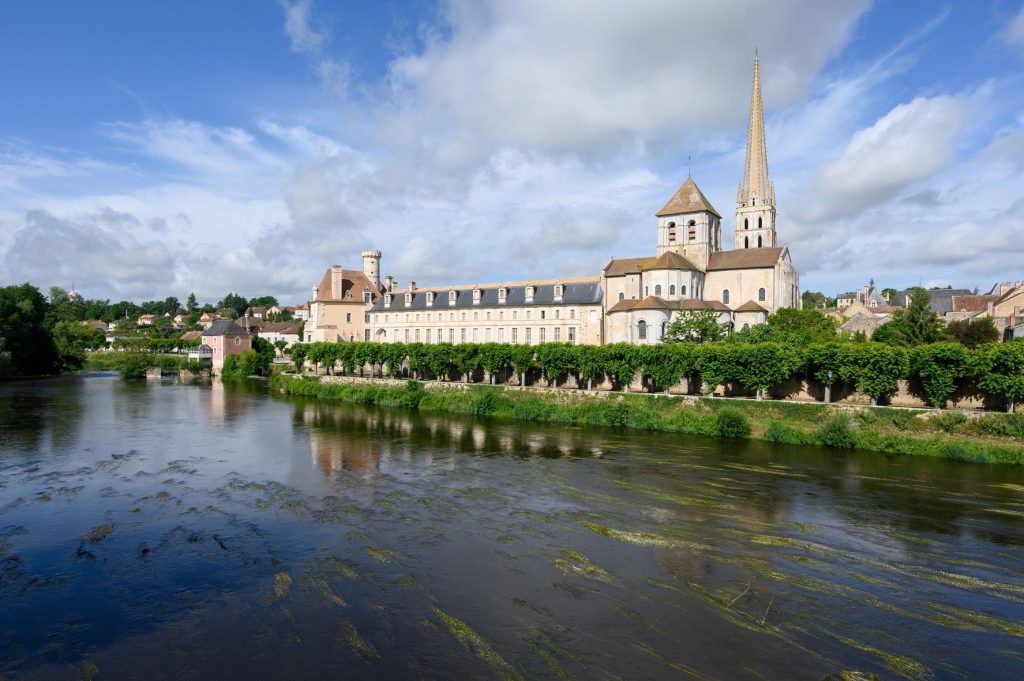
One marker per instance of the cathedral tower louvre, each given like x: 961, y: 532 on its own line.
x: 755, y: 197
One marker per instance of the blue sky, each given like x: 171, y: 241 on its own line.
x: 150, y: 150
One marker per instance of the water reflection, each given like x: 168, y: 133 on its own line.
x: 363, y: 543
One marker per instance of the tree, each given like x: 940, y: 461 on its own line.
x: 939, y: 366
x: 973, y: 332
x: 233, y: 301
x: 999, y: 368
x: 696, y: 326
x: 889, y: 294
x: 72, y: 340
x: 263, y: 301
x: 191, y: 305
x: 916, y: 324
x: 23, y: 333
x: 813, y: 299
x: 805, y: 326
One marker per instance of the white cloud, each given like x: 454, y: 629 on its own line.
x: 1015, y: 31
x: 311, y: 41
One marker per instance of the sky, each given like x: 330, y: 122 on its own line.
x: 158, y: 149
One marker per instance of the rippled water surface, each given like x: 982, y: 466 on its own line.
x: 198, y: 532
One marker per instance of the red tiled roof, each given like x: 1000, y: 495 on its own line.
x: 341, y: 285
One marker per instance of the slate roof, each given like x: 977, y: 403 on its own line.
x: 942, y: 299
x: 225, y: 327
x: 687, y: 199
x: 745, y: 258
x: 586, y: 292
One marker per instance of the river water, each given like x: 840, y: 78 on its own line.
x: 156, y: 530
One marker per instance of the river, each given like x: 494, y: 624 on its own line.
x: 157, y: 530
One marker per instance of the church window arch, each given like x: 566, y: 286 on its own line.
x: 759, y: 241
x: 725, y: 296
x: 641, y: 330
x: 761, y: 294
x: 745, y: 327
x: 664, y: 328
x: 746, y: 223
x: 671, y: 231
x: 684, y: 289
x: 657, y: 290
x: 622, y: 296
x: 759, y: 223
x: 672, y: 290
x: 746, y: 242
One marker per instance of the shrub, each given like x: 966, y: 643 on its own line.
x: 948, y: 422
x: 411, y: 395
x: 134, y: 365
x: 781, y: 432
x: 485, y: 402
x: 837, y: 431
x: 733, y: 423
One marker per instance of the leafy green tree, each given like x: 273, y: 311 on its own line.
x: 72, y: 340
x: 495, y: 359
x: 556, y: 360
x: 999, y: 369
x: 664, y: 365
x: 974, y: 332
x: 23, y: 331
x: 262, y: 301
x: 191, y: 305
x: 591, y: 364
x: 916, y: 324
x: 889, y: 294
x: 803, y: 326
x: 696, y: 326
x: 521, y: 359
x: 764, y: 365
x: 811, y: 300
x: 831, y: 363
x: 939, y: 366
x: 881, y: 368
x: 235, y: 302
x: 280, y: 345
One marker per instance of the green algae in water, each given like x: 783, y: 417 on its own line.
x: 643, y: 538
x: 324, y: 590
x: 87, y: 671
x: 98, y: 533
x: 384, y: 555
x: 478, y: 646
x: 549, y: 651
x: 903, y: 666
x: 356, y: 643
x: 575, y: 563
x: 282, y: 585
x: 342, y: 569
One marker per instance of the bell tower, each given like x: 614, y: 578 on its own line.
x: 689, y: 225
x: 755, y: 197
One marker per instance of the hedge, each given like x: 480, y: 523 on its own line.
x: 939, y: 370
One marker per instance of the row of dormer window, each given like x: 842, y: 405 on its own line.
x: 415, y: 317
x: 431, y: 296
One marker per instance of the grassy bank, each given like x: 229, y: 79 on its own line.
x: 992, y: 438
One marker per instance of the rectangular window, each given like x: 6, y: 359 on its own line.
x: 428, y: 335
x: 407, y: 335
x: 238, y: 341
x: 451, y: 335
x: 501, y: 335
x: 515, y: 314
x: 558, y: 334
x: 543, y: 334
x: 487, y: 335
x: 572, y: 334
x: 572, y: 313
x: 528, y: 334
x: 348, y: 317
x: 417, y: 335
x: 462, y: 335
x: 515, y: 335
x: 476, y: 335
x: 366, y: 318
x: 366, y: 334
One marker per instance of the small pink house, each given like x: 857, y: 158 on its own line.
x: 224, y: 338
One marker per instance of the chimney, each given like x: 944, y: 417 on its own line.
x: 389, y: 283
x: 371, y: 266
x: 412, y: 285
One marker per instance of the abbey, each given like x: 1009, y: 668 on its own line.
x: 633, y: 300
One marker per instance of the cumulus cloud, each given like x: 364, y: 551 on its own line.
x: 96, y: 251
x: 585, y: 77
x: 911, y: 142
x: 310, y: 40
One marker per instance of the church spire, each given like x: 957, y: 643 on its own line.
x: 756, y: 187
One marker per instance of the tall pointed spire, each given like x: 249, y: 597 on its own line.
x: 756, y: 187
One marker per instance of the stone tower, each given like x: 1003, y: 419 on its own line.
x: 689, y: 225
x: 755, y: 198
x: 371, y: 266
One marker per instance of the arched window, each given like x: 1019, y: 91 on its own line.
x: 684, y: 289
x: 746, y: 242
x: 759, y: 223
x: 641, y: 330
x: 760, y: 294
x: 746, y: 326
x: 692, y: 223
x: 672, y: 290
x: 746, y: 223
x: 759, y: 241
x: 725, y: 296
x: 657, y: 290
x: 622, y: 296
x: 671, y: 231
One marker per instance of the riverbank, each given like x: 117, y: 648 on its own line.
x: 989, y: 438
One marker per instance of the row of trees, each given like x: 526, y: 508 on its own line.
x: 66, y: 306
x: 938, y: 371
x: 159, y: 345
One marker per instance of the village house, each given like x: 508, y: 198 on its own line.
x: 342, y: 300
x: 146, y: 320
x: 272, y: 332
x: 221, y: 339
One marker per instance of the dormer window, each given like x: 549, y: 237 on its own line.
x: 387, y: 300
x: 452, y: 295
x: 530, y: 290
x: 366, y: 295
x: 430, y: 298
x: 502, y: 294
x: 408, y: 299
x: 477, y: 293
x: 559, y: 291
